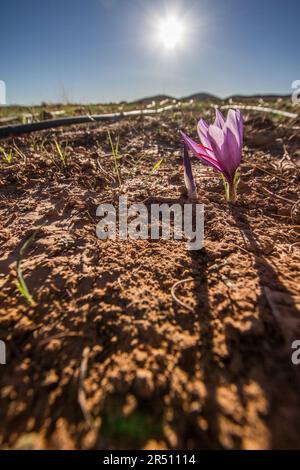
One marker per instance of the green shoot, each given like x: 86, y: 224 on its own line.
x: 21, y: 284
x: 7, y: 156
x: 62, y: 156
x: 226, y: 187
x: 236, y: 179
x: 156, y: 166
x: 230, y: 189
x: 115, y: 152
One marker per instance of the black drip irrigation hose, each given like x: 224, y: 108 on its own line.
x: 13, y: 130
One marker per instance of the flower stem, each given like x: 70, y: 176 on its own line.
x: 232, y: 193
x: 230, y: 188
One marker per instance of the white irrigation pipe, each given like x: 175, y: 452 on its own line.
x: 261, y: 109
x: 52, y: 123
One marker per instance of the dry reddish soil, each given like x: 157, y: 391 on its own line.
x: 107, y: 358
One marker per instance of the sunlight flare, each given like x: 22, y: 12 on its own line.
x: 171, y: 32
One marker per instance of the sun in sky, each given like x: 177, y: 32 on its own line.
x: 171, y: 32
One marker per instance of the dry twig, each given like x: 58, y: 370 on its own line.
x: 81, y: 392
x: 278, y: 197
x: 188, y: 307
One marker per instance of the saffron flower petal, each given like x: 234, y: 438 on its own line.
x: 202, y: 129
x: 201, y: 152
x: 220, y: 120
x: 235, y: 124
x: 219, y: 147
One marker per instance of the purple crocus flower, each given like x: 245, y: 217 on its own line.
x: 221, y: 147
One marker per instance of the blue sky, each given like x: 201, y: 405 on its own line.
x: 108, y: 50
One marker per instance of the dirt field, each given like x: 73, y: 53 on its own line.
x: 107, y: 358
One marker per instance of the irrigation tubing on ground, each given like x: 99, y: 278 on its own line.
x: 13, y: 130
x: 262, y: 109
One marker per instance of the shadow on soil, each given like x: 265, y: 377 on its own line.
x: 261, y: 355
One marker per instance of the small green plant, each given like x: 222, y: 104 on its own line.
x: 135, y: 429
x: 61, y: 155
x: 21, y: 284
x: 156, y: 166
x: 6, y: 156
x: 115, y: 152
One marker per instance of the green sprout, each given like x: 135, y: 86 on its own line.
x: 60, y: 153
x: 21, y: 284
x: 230, y: 191
x: 7, y: 156
x: 115, y: 152
x: 156, y: 166
x: 135, y: 428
